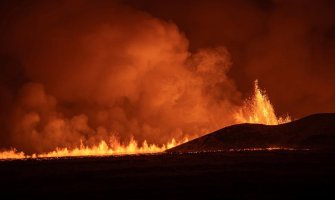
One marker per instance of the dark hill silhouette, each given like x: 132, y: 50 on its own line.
x: 313, y: 132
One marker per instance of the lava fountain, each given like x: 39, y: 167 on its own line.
x: 259, y: 110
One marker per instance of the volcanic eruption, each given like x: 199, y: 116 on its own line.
x: 104, y: 78
x: 257, y: 109
x: 147, y: 99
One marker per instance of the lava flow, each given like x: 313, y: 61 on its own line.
x: 103, y: 149
x: 257, y: 109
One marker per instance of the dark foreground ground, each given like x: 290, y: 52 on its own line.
x: 245, y: 175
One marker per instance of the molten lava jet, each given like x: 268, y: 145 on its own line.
x: 259, y: 110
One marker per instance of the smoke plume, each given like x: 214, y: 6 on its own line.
x: 288, y: 45
x: 95, y: 70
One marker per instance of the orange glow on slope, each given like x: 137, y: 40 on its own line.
x: 259, y: 109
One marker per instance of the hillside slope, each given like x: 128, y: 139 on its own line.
x: 313, y: 132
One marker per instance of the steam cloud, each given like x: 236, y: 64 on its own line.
x: 91, y: 70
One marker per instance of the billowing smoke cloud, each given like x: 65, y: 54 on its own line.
x: 288, y: 45
x: 94, y: 70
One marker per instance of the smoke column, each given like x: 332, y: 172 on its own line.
x: 81, y: 72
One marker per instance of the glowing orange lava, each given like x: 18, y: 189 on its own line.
x: 11, y: 154
x: 102, y: 149
x: 257, y: 109
x: 115, y: 148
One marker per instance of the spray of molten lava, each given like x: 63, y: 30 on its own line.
x: 12, y: 154
x: 257, y: 109
x: 102, y: 149
x: 114, y: 148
